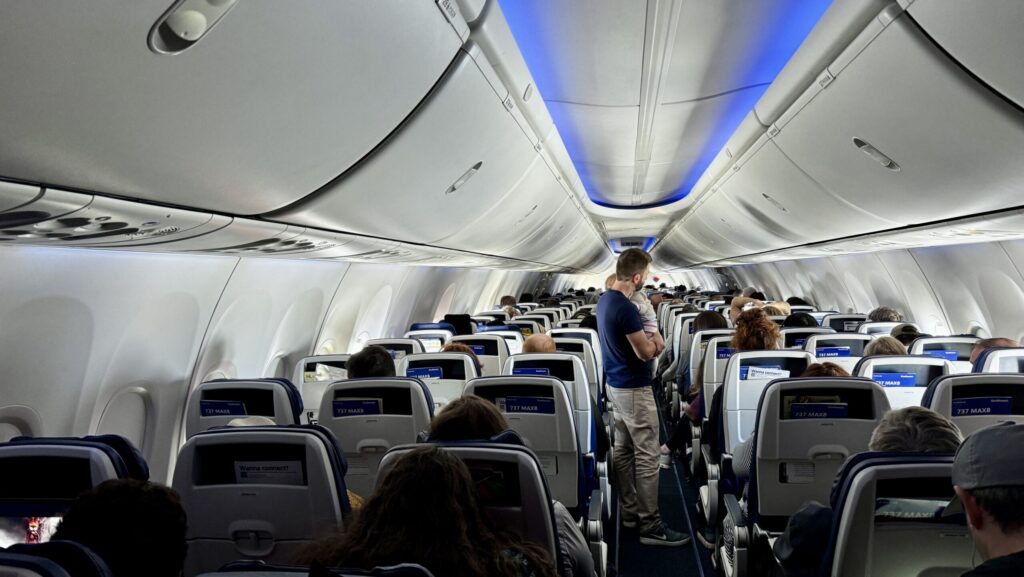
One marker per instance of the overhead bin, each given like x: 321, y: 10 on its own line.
x: 901, y: 131
x: 984, y: 37
x: 455, y: 159
x: 274, y: 102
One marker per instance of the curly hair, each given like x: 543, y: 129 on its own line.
x: 425, y: 511
x: 756, y: 332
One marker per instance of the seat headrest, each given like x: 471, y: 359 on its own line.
x: 31, y: 566
x: 294, y: 396
x: 74, y: 558
x: 489, y: 328
x: 443, y: 326
x: 861, y: 461
x: 508, y: 437
x: 127, y: 460
x: 318, y: 570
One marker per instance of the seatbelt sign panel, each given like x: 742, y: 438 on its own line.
x: 940, y: 354
x: 531, y: 372
x: 268, y: 473
x: 355, y: 407
x: 895, y: 379
x: 831, y: 352
x: 818, y: 411
x: 978, y: 406
x: 222, y: 409
x: 534, y: 405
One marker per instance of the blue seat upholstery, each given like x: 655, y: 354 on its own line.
x: 251, y: 569
x: 1000, y: 360
x: 215, y: 403
x: 72, y: 557
x: 443, y: 326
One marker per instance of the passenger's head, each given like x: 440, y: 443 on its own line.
x: 687, y: 308
x: 633, y: 265
x: 773, y: 311
x: 252, y: 421
x: 824, y: 370
x: 656, y: 299
x: 988, y: 477
x: 748, y: 292
x: 884, y: 346
x: 425, y: 510
x: 709, y: 320
x: 885, y: 315
x: 993, y: 343
x: 372, y: 361
x: 759, y: 296
x: 137, y: 527
x: 915, y: 430
x: 589, y: 322
x: 467, y: 418
x: 511, y: 311
x: 608, y: 282
x: 458, y: 347
x: 797, y: 301
x: 526, y: 298
x: 756, y: 332
x: 507, y: 301
x: 905, y: 333
x: 539, y: 344
x: 800, y: 320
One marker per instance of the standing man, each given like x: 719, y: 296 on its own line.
x: 627, y: 356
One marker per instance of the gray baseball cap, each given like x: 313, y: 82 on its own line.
x: 991, y: 457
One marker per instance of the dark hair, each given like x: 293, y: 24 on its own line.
x: 526, y: 298
x: 507, y: 301
x: 915, y: 430
x: 137, y: 527
x: 824, y: 370
x: 631, y: 261
x: 467, y: 418
x: 885, y: 314
x: 372, y: 361
x: 756, y: 332
x: 797, y: 301
x: 800, y: 320
x: 425, y: 511
x: 1005, y: 504
x: 690, y: 308
x: 758, y: 295
x: 709, y: 320
x: 589, y: 322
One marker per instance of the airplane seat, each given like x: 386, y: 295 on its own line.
x: 709, y: 353
x: 76, y: 560
x: 498, y: 315
x: 568, y: 323
x: 796, y: 338
x: 844, y: 323
x: 312, y: 375
x: 882, y: 328
x: 253, y: 569
x: 432, y: 336
x: 295, y: 473
x: 531, y: 324
x: 16, y: 565
x: 806, y: 428
x: 398, y: 348
x: 585, y: 351
x: 444, y: 374
x: 978, y: 400
x: 589, y: 335
x: 843, y: 349
x: 370, y: 416
x: 1000, y: 360
x: 490, y: 350
x: 888, y: 518
x: 513, y: 336
x: 522, y: 504
x: 904, y: 377
x: 462, y: 324
x: 215, y: 403
x: 538, y: 408
x: 956, y: 350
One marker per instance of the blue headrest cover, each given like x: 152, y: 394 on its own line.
x: 74, y: 558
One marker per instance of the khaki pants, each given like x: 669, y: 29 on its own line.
x: 636, y: 454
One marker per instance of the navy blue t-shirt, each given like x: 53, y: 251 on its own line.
x: 616, y: 318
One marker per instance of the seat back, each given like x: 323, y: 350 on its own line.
x: 431, y: 339
x: 490, y: 349
x: 445, y: 374
x: 956, y: 350
x: 887, y: 519
x: 1000, y: 360
x: 215, y: 403
x: 746, y: 375
x: 497, y: 314
x: 76, y: 559
x: 589, y: 335
x: 531, y: 324
x: 796, y: 338
x: 663, y: 315
x: 369, y: 417
x: 512, y: 335
x: 843, y: 349
x: 880, y: 328
x: 844, y: 323
x: 801, y: 309
x: 256, y: 569
x: 569, y: 323
x: 696, y: 346
x: 528, y: 306
x: 512, y: 487
x: 585, y: 351
x: 904, y: 377
x: 710, y: 305
x: 295, y: 474
x: 977, y: 400
x: 538, y: 408
x: 17, y: 565
x: 674, y: 339
x: 806, y: 428
x: 553, y: 314
x: 398, y: 348
x: 717, y: 351
x: 820, y: 316
x: 569, y: 368
x: 313, y: 374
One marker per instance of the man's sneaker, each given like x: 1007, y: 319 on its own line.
x: 665, y: 537
x: 665, y: 460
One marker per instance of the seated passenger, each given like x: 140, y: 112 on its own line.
x: 425, y: 511
x: 993, y: 343
x: 906, y: 333
x: 989, y: 482
x: 773, y: 311
x: 507, y: 301
x: 463, y: 348
x: 137, y: 527
x: 885, y: 315
x: 910, y: 430
x: 687, y: 308
x: 797, y: 301
x: 800, y: 320
x: 372, y: 361
x: 883, y: 346
x: 526, y: 298
x: 539, y: 344
x: 471, y: 418
x: 511, y: 311
x: 589, y: 322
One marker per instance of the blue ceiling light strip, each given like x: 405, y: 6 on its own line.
x: 794, y: 20
x: 649, y: 243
